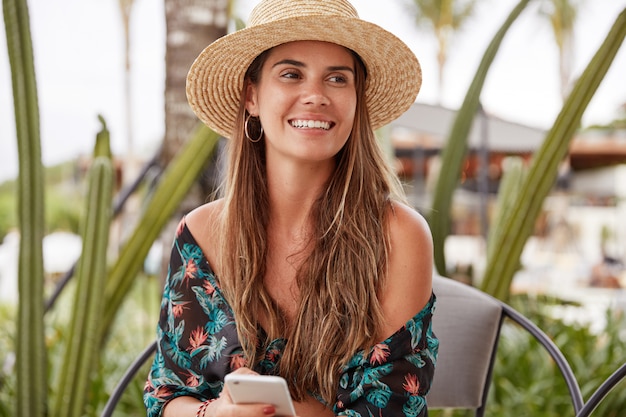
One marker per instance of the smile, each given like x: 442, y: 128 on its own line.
x: 310, y: 124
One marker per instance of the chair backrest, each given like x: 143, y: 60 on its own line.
x: 467, y: 323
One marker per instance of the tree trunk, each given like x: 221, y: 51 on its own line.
x: 191, y: 25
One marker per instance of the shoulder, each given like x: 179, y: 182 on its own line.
x: 409, y: 280
x: 202, y: 223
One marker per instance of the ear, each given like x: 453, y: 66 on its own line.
x: 251, y: 99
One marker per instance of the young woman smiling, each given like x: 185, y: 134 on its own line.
x: 310, y: 265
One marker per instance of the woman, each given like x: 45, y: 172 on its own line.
x: 310, y: 266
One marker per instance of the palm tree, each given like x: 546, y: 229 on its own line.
x: 444, y: 17
x: 562, y: 15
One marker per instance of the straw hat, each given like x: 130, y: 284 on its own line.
x: 215, y: 80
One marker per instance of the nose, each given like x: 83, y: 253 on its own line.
x: 314, y: 93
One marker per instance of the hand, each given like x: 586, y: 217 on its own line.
x: 224, y: 406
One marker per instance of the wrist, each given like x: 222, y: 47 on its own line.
x: 203, y: 406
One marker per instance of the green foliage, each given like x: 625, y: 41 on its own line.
x: 524, y: 373
x: 180, y: 175
x: 8, y: 219
x: 7, y: 357
x: 519, y: 221
x: 63, y: 211
x: 81, y: 354
x: 31, y: 353
x: 456, y: 145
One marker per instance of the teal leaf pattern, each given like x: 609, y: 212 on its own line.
x: 198, y: 345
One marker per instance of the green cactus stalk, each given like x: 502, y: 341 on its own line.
x: 81, y: 354
x: 519, y: 222
x: 32, y: 387
x: 176, y: 182
x: 456, y: 145
x: 511, y: 182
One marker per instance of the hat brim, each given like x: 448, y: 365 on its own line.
x: 215, y: 80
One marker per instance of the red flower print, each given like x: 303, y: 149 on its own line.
x: 380, y: 353
x: 208, y: 288
x: 197, y: 338
x: 162, y: 392
x: 192, y: 380
x: 148, y: 385
x: 237, y: 361
x: 191, y: 270
x: 178, y: 308
x: 272, y: 354
x: 411, y: 384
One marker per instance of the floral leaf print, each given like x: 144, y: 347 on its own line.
x: 356, y: 361
x: 371, y: 375
x: 379, y: 397
x: 416, y: 359
x: 356, y: 393
x: 212, y: 351
x: 350, y: 413
x: 177, y: 334
x: 433, y: 348
x: 237, y: 360
x: 177, y: 277
x: 380, y: 353
x: 196, y: 339
x: 411, y: 384
x: 180, y: 357
x: 343, y: 382
x: 208, y: 287
x: 415, y: 328
x: 193, y: 380
x: 217, y: 319
x: 414, y: 406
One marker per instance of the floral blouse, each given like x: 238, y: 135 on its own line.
x: 198, y: 345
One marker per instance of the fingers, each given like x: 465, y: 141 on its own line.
x: 226, y: 408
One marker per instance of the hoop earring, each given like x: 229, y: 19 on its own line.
x: 245, y: 130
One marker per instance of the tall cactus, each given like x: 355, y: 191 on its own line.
x: 180, y: 175
x: 518, y: 223
x: 456, y: 146
x: 31, y: 352
x: 81, y: 354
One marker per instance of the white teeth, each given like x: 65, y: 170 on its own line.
x: 317, y: 124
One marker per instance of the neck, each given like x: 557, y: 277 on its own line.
x: 293, y: 189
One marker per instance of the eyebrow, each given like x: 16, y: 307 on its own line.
x: 303, y: 65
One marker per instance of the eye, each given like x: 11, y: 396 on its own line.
x: 290, y: 74
x: 339, y: 79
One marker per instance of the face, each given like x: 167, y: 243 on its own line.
x: 306, y: 100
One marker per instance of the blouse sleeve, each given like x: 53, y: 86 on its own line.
x: 395, y: 376
x: 177, y: 369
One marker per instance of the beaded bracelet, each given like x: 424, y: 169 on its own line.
x: 203, y: 407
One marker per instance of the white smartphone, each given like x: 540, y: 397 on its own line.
x: 245, y: 389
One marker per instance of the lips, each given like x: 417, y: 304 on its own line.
x: 311, y: 124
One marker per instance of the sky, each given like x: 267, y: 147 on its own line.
x: 78, y: 49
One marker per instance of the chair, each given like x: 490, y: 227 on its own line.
x: 602, y: 391
x: 467, y: 322
x: 128, y: 376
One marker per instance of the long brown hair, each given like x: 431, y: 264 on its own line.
x: 340, y: 280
